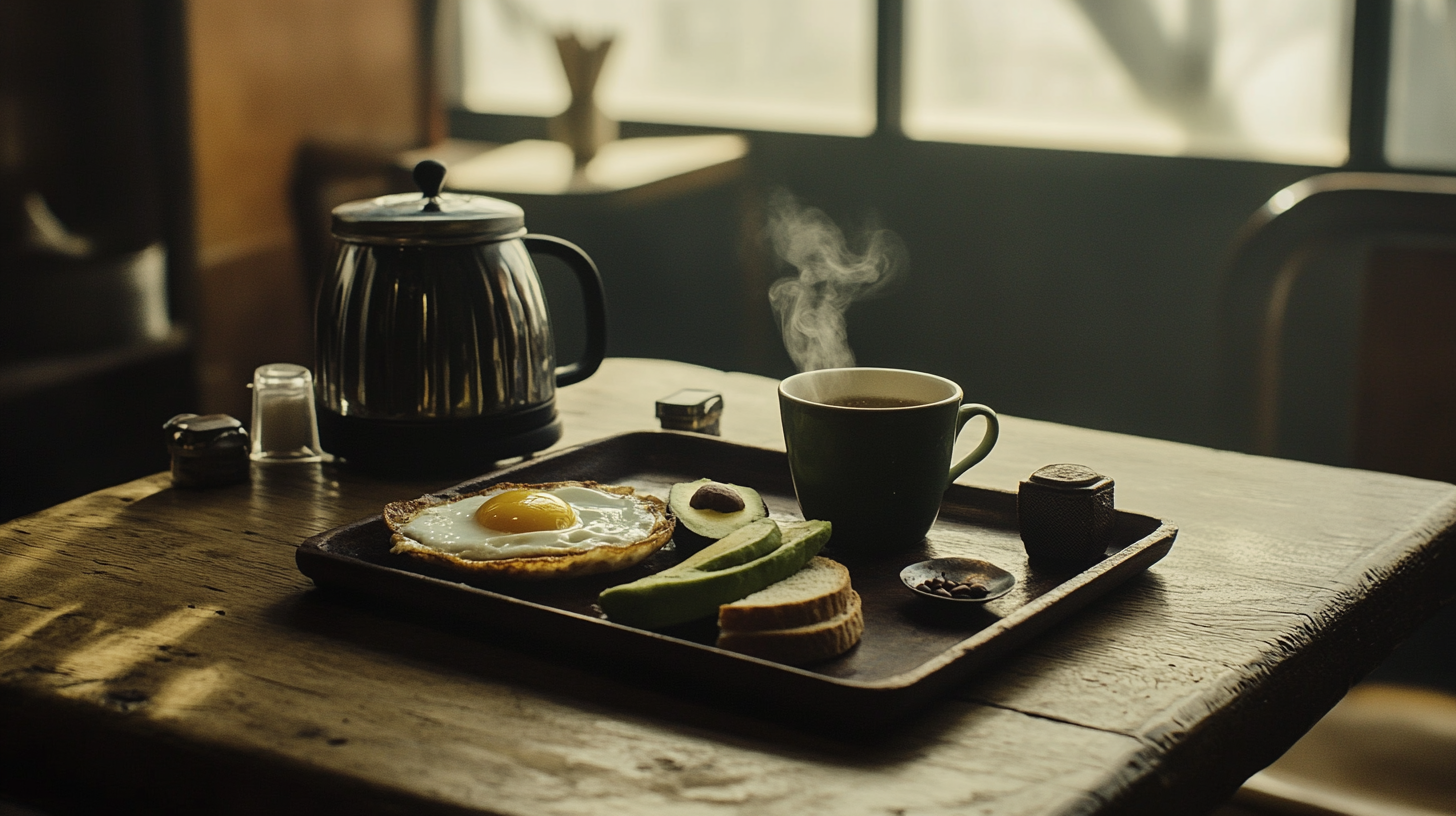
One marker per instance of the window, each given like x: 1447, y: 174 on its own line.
x: 1248, y: 79
x: 793, y: 65
x: 1421, y: 123
x: 1241, y: 79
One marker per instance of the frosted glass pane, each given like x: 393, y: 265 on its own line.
x: 1421, y: 119
x: 794, y: 65
x: 1247, y: 79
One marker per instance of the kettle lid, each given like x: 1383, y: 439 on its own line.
x: 429, y: 217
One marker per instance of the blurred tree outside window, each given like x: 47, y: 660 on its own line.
x: 1243, y: 79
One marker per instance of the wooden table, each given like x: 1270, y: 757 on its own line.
x: 158, y: 646
x: 628, y: 170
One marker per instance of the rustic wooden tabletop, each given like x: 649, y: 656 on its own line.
x: 160, y: 651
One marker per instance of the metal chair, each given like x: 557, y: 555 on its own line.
x: 1388, y: 733
x: 1276, y: 247
x: 1383, y: 751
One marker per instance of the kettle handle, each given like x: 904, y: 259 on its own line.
x: 594, y: 300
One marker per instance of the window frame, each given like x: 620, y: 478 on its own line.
x: 1369, y: 91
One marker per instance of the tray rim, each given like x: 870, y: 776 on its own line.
x: 1159, y: 540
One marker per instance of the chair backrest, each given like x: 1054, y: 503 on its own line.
x: 1409, y: 222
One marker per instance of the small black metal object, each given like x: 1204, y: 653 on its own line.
x: 207, y: 451
x: 1066, y: 515
x: 692, y: 409
x: 429, y: 176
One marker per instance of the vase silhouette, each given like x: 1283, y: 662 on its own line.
x: 582, y: 126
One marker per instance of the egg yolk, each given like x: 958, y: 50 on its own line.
x: 525, y: 511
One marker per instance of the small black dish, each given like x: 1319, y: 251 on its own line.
x: 997, y: 581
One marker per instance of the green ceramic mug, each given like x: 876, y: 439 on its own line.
x: 870, y: 450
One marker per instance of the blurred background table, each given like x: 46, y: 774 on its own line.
x: 158, y: 650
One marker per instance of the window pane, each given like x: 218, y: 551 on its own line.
x: 1421, y: 120
x: 1248, y: 79
x: 798, y: 65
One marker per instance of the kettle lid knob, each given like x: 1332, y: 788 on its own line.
x: 436, y: 218
x: 430, y: 177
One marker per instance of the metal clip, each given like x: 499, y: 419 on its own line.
x: 692, y: 409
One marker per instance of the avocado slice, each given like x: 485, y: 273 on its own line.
x: 688, y: 592
x: 756, y: 539
x: 696, y: 526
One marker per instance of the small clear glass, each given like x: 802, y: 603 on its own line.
x: 285, y: 423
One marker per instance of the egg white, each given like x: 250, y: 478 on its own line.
x: 601, y: 519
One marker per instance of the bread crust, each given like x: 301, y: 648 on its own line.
x: 741, y: 617
x: 803, y: 645
x: 602, y: 558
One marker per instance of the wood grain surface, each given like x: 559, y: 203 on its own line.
x: 159, y: 650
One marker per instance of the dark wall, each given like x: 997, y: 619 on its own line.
x: 79, y: 117
x: 1076, y: 287
x: 93, y: 121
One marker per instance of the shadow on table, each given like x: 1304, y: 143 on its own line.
x: 1388, y: 748
x: 418, y: 637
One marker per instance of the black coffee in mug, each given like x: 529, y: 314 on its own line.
x: 870, y: 450
x: 873, y: 402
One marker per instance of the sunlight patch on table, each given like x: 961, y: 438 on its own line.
x: 185, y: 692
x: 113, y: 654
x: 41, y: 621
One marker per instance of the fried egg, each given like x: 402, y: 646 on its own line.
x: 533, y: 531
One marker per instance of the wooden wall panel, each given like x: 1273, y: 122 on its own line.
x: 267, y: 76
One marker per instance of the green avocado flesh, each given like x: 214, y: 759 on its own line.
x: 739, y: 547
x: 693, y: 590
x: 713, y: 524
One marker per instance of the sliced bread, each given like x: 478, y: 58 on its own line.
x: 818, y: 592
x: 804, y: 644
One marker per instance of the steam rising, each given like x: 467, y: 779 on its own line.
x: 810, y: 307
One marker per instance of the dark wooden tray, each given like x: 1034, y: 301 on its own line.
x: 913, y: 648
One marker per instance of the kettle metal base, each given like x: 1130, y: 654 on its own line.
x: 450, y: 447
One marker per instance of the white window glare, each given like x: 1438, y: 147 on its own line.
x: 790, y: 65
x: 1245, y: 79
x: 1421, y: 118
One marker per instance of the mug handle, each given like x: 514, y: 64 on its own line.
x: 593, y: 298
x: 993, y: 431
